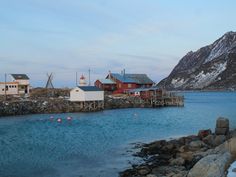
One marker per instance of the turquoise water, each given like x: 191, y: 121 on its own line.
x: 100, y: 144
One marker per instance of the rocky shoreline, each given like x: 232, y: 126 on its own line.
x: 62, y: 105
x: 204, y: 155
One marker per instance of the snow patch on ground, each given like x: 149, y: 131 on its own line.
x: 217, y: 51
x: 178, y: 82
x: 231, y: 173
x: 204, y: 79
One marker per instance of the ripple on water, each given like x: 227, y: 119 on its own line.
x: 99, y: 143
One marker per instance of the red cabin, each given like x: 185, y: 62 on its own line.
x: 106, y: 84
x: 125, y: 82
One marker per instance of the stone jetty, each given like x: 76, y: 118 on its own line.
x: 204, y: 155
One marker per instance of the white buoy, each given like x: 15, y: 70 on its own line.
x: 69, y: 118
x: 59, y: 120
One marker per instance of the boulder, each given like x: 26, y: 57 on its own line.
x: 220, y: 139
x: 222, y: 122
x: 196, y: 145
x: 204, y: 133
x: 144, y: 170
x: 221, y: 131
x: 209, y: 140
x: 230, y: 145
x: 211, y: 166
x: 151, y: 175
x: 178, y: 161
x: 187, y: 156
x: 222, y: 126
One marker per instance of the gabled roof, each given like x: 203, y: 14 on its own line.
x: 20, y: 76
x: 140, y: 78
x: 122, y: 78
x: 144, y: 89
x: 133, y: 78
x: 89, y: 88
x: 106, y: 81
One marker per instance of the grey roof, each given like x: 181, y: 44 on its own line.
x: 20, y: 76
x: 106, y: 81
x: 140, y: 78
x: 133, y: 78
x: 122, y: 78
x: 89, y: 88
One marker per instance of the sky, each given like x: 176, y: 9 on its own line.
x: 142, y: 36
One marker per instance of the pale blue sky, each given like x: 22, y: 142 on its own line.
x: 143, y: 36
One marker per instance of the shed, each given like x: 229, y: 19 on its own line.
x: 105, y: 84
x: 86, y: 93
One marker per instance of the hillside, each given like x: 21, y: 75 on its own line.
x: 212, y: 67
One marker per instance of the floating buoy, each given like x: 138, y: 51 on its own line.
x: 69, y: 118
x: 59, y: 120
x: 51, y: 118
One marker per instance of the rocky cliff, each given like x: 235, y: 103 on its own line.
x: 212, y: 67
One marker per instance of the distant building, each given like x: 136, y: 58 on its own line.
x: 19, y: 85
x: 86, y: 93
x: 11, y: 88
x: 105, y: 84
x: 23, y: 83
x: 146, y: 93
x: 125, y: 82
x: 82, y: 81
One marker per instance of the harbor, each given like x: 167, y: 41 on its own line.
x: 116, y: 91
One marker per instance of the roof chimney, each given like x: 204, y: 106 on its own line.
x: 109, y: 75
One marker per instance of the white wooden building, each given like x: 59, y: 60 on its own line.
x: 23, y: 83
x: 11, y: 88
x: 86, y: 93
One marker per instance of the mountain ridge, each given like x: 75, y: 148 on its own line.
x: 212, y: 67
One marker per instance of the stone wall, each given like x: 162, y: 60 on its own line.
x: 61, y: 105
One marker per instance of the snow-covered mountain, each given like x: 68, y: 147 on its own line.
x: 212, y: 67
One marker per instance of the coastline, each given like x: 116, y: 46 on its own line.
x: 186, y: 156
x: 61, y: 105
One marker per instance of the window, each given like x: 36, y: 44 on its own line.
x: 129, y: 85
x: 77, y: 90
x: 119, y: 85
x: 2, y: 89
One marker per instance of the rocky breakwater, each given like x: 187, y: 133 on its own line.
x: 41, y: 106
x: 118, y: 102
x: 204, y: 155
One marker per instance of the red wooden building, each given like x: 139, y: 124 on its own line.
x: 125, y: 82
x: 106, y: 84
x: 146, y: 93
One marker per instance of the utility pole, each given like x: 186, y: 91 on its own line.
x: 76, y: 79
x: 89, y: 77
x: 5, y: 89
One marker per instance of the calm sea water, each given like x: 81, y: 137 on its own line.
x: 99, y: 144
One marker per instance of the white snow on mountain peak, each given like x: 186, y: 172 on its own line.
x: 221, y: 47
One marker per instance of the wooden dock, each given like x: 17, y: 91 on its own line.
x: 89, y: 106
x: 167, y: 99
